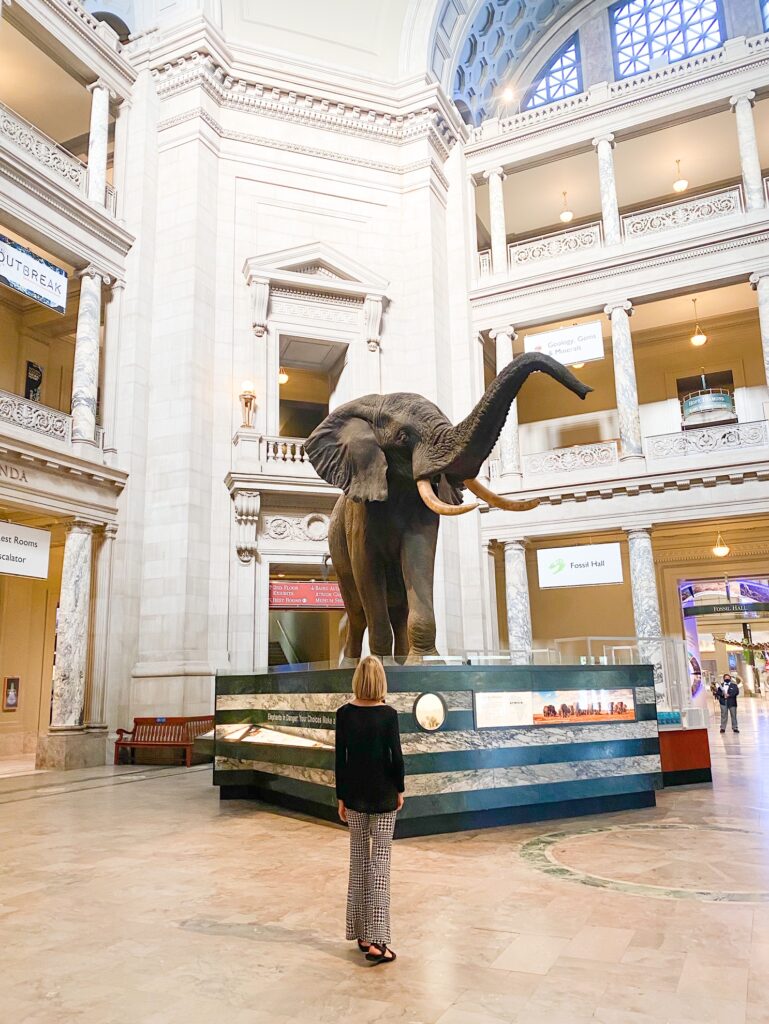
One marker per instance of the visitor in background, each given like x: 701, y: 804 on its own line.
x: 727, y: 698
x: 369, y: 789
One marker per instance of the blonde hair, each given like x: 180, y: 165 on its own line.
x: 369, y: 681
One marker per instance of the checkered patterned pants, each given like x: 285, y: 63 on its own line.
x: 368, y: 895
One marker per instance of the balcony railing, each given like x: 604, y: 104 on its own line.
x: 484, y: 263
x: 39, y: 419
x: 682, y: 212
x: 285, y: 450
x: 552, y: 246
x: 573, y: 459
x: 48, y: 154
x: 704, y: 440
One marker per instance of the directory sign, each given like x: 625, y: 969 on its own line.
x: 579, y: 343
x: 580, y: 566
x: 24, y: 551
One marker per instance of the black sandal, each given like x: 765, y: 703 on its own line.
x: 381, y: 957
x: 364, y: 947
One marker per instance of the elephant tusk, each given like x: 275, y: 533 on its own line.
x: 494, y: 499
x: 428, y: 496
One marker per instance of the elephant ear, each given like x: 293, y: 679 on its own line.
x: 346, y: 454
x: 448, y: 492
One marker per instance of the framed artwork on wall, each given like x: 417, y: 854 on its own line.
x: 11, y: 693
x: 33, y: 382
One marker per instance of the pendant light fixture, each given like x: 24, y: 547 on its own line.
x: 699, y: 337
x: 566, y: 216
x: 680, y: 184
x: 282, y: 376
x: 508, y: 94
x: 721, y: 549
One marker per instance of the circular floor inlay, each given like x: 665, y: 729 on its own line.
x: 720, y: 863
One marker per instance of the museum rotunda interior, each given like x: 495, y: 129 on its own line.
x: 432, y: 330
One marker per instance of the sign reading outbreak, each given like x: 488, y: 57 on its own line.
x: 581, y: 566
x: 30, y: 274
x: 24, y: 551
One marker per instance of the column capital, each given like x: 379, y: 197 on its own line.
x: 94, y: 272
x: 110, y: 531
x: 624, y: 304
x: 519, y: 544
x: 495, y: 172
x: 80, y: 526
x: 508, y: 331
x: 747, y: 94
x: 638, y: 531
x: 756, y: 276
x: 604, y: 137
x: 101, y: 84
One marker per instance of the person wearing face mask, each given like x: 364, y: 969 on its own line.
x: 727, y: 698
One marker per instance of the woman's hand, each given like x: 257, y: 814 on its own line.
x: 342, y: 810
x: 401, y: 798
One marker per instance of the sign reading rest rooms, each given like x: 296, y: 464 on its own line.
x: 24, y: 551
x: 580, y: 566
x: 305, y: 594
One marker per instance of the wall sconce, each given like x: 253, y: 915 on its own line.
x: 720, y: 549
x: 680, y: 184
x: 247, y: 403
x: 566, y: 215
x: 282, y: 376
x: 699, y: 337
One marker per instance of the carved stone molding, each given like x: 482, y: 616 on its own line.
x: 312, y: 527
x: 247, y: 504
x: 683, y: 212
x: 372, y: 310
x: 703, y: 440
x: 35, y: 417
x: 558, y: 243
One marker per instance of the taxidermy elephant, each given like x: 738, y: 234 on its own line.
x: 401, y: 465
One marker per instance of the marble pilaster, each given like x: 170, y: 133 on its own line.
x: 646, y: 606
x: 509, y: 443
x: 625, y: 379
x: 495, y: 177
x: 110, y: 384
x: 760, y: 284
x: 95, y: 714
x: 85, y: 374
x: 489, y: 573
x: 604, y: 144
x: 98, y: 136
x: 69, y: 674
x: 517, y: 602
x: 750, y: 160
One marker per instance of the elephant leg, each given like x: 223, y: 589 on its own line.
x: 370, y: 574
x: 399, y: 610
x: 340, y: 557
x: 418, y: 563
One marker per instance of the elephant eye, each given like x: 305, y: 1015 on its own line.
x: 403, y: 437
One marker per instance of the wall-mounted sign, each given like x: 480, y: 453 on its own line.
x: 582, y: 566
x: 503, y: 710
x: 581, y: 707
x: 33, y: 276
x: 24, y: 551
x: 11, y: 693
x: 33, y: 382
x: 580, y: 343
x: 727, y: 609
x: 304, y: 594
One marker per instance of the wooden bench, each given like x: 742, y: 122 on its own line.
x: 179, y: 733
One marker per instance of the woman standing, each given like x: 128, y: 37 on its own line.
x: 369, y: 789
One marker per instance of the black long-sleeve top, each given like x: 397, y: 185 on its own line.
x: 369, y: 761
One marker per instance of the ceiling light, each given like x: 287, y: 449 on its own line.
x: 721, y: 549
x: 680, y: 184
x: 566, y: 215
x: 577, y: 366
x: 699, y: 337
x: 282, y: 376
x: 508, y: 94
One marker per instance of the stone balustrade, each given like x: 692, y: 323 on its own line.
x: 484, y: 263
x: 554, y: 245
x: 573, y: 459
x: 40, y: 419
x: 285, y: 450
x: 708, y: 439
x: 682, y: 212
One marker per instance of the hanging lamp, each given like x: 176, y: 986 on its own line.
x: 282, y: 376
x: 720, y: 549
x: 699, y: 337
x: 566, y: 215
x: 680, y: 184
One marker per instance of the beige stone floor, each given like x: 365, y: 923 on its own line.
x: 132, y: 895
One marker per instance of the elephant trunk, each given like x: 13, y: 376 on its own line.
x: 474, y: 437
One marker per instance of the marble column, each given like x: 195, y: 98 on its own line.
x: 85, y: 375
x: 625, y: 380
x: 646, y: 606
x: 509, y: 444
x: 69, y: 674
x: 517, y: 602
x: 760, y: 284
x: 495, y: 177
x: 750, y: 161
x: 604, y: 144
x: 98, y: 135
x: 95, y: 716
x: 489, y: 573
x: 110, y: 383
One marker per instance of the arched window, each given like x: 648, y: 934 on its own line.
x: 560, y: 77
x: 648, y: 32
x: 765, y: 13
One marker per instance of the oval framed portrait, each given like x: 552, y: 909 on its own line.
x: 430, y: 712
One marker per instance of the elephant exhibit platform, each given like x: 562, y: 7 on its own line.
x: 483, y: 745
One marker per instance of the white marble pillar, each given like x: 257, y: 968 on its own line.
x: 98, y: 135
x: 509, y: 443
x: 760, y: 284
x: 646, y: 605
x: 111, y: 360
x: 95, y: 716
x: 498, y: 230
x: 85, y: 375
x: 604, y: 144
x: 750, y: 161
x: 489, y: 574
x: 625, y: 379
x: 69, y: 673
x: 517, y: 602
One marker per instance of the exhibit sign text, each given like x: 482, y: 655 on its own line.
x: 583, y: 565
x: 305, y: 594
x: 24, y: 551
x: 579, y: 343
x: 33, y: 276
x: 503, y: 710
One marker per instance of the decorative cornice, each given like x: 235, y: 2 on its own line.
x: 200, y: 70
x: 705, y: 554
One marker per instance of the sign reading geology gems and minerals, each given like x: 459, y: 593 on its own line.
x: 24, y: 551
x: 581, y: 566
x: 580, y: 343
x: 33, y: 276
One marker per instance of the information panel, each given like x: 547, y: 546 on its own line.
x: 503, y: 710
x: 305, y: 594
x: 508, y: 709
x: 580, y: 343
x: 24, y: 551
x: 580, y: 566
